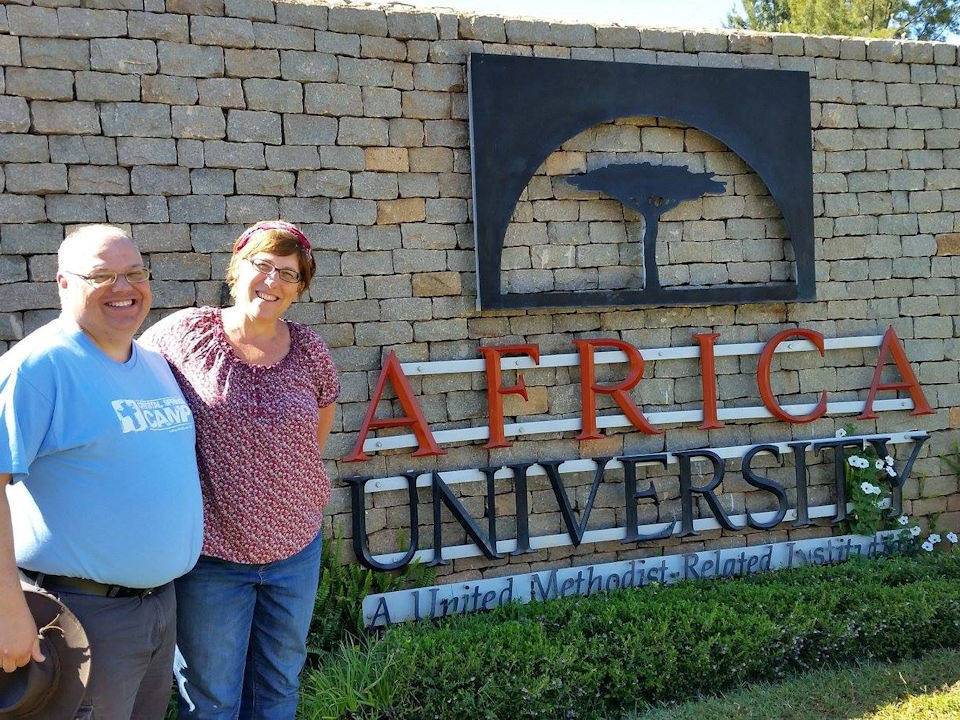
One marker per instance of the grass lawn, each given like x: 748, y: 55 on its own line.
x: 923, y: 689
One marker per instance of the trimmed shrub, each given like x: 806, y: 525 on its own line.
x: 587, y: 657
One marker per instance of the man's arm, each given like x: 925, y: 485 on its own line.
x: 19, y: 641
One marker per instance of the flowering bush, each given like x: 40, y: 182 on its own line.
x: 868, y: 492
x: 933, y: 539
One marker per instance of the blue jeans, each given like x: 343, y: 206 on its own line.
x: 241, y: 636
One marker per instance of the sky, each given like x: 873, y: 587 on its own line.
x: 692, y: 14
x: 650, y: 13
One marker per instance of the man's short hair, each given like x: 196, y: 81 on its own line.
x: 82, y: 233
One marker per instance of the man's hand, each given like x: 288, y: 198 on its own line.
x: 19, y: 641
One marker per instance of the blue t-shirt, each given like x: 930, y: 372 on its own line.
x: 105, y: 482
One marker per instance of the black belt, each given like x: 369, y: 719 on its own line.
x: 84, y: 586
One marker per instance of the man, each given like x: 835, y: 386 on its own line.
x: 102, y: 499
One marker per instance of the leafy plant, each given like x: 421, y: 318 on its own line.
x: 358, y: 681
x: 337, y: 609
x: 952, y: 459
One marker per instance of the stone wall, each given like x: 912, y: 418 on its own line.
x: 185, y: 120
x: 567, y: 239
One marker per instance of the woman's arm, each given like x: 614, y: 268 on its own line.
x: 325, y: 423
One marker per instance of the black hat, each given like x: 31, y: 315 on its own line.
x: 52, y: 689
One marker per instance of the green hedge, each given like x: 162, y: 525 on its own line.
x: 589, y: 657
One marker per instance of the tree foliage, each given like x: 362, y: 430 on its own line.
x: 649, y: 189
x: 914, y: 19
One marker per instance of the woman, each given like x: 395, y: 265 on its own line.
x: 261, y: 389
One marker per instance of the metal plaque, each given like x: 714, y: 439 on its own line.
x: 524, y: 108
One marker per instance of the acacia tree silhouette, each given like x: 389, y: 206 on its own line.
x: 651, y: 190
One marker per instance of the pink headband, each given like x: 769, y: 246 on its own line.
x: 272, y: 225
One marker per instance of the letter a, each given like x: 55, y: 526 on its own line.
x: 381, y: 614
x: 392, y: 371
x: 891, y: 345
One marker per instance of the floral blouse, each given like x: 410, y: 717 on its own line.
x: 261, y: 471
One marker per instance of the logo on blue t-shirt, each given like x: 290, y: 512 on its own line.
x: 169, y: 413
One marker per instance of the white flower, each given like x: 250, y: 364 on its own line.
x: 883, y: 503
x: 903, y: 519
x: 878, y: 464
x: 928, y: 546
x: 889, y: 460
x: 952, y: 537
x: 914, y: 531
x: 934, y: 538
x: 891, y: 472
x: 841, y: 433
x: 853, y: 461
x: 864, y: 463
x: 865, y: 487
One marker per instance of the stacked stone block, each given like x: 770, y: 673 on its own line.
x: 185, y: 120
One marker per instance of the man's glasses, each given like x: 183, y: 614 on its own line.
x: 103, y: 278
x: 268, y: 268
